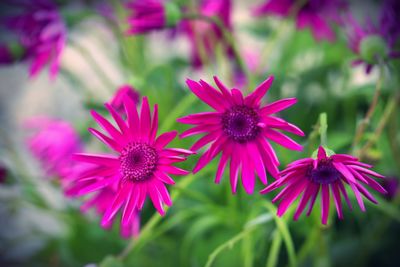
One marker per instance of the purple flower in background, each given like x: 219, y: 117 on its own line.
x: 370, y: 40
x: 391, y: 184
x: 315, y: 14
x: 146, y: 15
x: 3, y: 173
x: 123, y: 91
x: 390, y: 21
x: 205, y: 37
x: 6, y: 56
x: 41, y: 32
x: 53, y: 142
x: 327, y: 174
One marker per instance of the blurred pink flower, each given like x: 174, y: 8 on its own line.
x: 53, y: 142
x: 325, y: 173
x: 3, y: 173
x: 145, y: 16
x: 6, y: 56
x: 140, y: 166
x: 315, y: 14
x: 41, y: 32
x: 123, y: 91
x: 240, y: 128
x: 205, y: 37
x: 392, y: 186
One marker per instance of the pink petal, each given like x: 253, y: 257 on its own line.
x: 198, y: 90
x: 145, y: 119
x: 313, y: 198
x: 254, y: 98
x: 164, y: 177
x: 97, y: 159
x: 325, y: 203
x: 156, y: 199
x: 337, y: 199
x: 321, y: 153
x: 165, y: 139
x: 201, y: 118
x: 106, y: 140
x: 291, y: 196
x: 345, y: 172
x: 277, y: 106
x: 253, y: 151
x: 120, y: 122
x: 308, y: 193
x: 282, y: 139
x: 154, y: 125
x: 107, y: 126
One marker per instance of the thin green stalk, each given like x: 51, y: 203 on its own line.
x: 365, y: 122
x: 183, y: 105
x: 272, y: 258
x: 389, y: 110
x: 228, y: 244
x: 287, y: 238
x: 323, y: 128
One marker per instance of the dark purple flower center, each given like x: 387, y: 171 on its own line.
x: 325, y: 173
x: 138, y: 162
x: 240, y: 123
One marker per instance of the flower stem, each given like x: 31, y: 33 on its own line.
x: 364, y: 123
x: 390, y: 108
x: 323, y: 127
x: 284, y: 231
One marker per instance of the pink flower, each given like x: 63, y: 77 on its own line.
x: 240, y: 128
x: 205, y: 37
x: 145, y: 16
x: 309, y: 176
x: 53, y: 142
x: 315, y: 14
x: 3, y: 173
x: 41, y: 32
x: 123, y: 91
x: 139, y: 167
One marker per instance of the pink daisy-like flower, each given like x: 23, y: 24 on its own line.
x: 140, y: 165
x: 123, y: 91
x: 205, y: 37
x: 240, y: 128
x: 315, y: 14
x: 53, y: 142
x: 41, y: 32
x: 326, y: 174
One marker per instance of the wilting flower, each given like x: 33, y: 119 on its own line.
x: 123, y: 91
x: 315, y: 14
x: 139, y: 167
x: 149, y: 15
x: 41, y: 33
x: 240, y: 128
x: 370, y: 41
x: 205, y: 37
x: 326, y: 174
x: 53, y: 142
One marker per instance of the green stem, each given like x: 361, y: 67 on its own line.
x: 183, y: 105
x: 323, y: 127
x: 272, y: 258
x: 389, y: 110
x: 364, y: 123
x: 283, y: 229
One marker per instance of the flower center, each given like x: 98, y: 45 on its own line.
x: 240, y: 123
x: 138, y: 161
x: 325, y: 173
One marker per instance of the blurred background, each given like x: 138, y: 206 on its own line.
x: 92, y: 52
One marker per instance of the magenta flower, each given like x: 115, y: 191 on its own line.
x: 390, y: 21
x: 146, y: 15
x: 315, y: 14
x: 123, y: 91
x: 139, y: 167
x: 41, y: 32
x: 6, y: 57
x: 3, y: 173
x: 53, y: 142
x: 240, y: 128
x: 392, y: 186
x: 325, y: 173
x: 205, y: 37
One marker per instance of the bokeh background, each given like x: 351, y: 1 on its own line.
x: 40, y: 226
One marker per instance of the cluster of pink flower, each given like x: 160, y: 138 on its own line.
x: 240, y: 128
